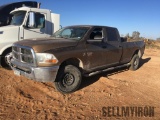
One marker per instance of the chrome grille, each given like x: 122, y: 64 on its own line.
x: 23, y: 54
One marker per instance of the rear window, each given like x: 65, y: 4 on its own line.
x: 111, y: 34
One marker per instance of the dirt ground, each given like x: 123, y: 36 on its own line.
x: 24, y: 99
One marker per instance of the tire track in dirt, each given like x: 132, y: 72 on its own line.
x: 21, y: 100
x: 138, y: 88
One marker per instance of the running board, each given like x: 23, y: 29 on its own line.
x: 105, y: 70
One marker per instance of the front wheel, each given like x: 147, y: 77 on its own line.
x: 68, y: 79
x: 5, y: 60
x: 134, y: 63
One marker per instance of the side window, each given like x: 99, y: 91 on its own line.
x: 111, y: 34
x: 66, y: 33
x: 97, y: 34
x: 39, y: 21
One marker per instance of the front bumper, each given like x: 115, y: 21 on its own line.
x: 42, y: 74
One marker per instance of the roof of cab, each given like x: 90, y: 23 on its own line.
x: 28, y: 9
x: 89, y: 26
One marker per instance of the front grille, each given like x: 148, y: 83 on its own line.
x: 23, y: 54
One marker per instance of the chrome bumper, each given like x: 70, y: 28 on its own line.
x: 42, y: 74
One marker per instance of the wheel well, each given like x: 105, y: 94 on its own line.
x: 2, y: 63
x: 73, y: 61
x: 138, y: 52
x: 6, y: 51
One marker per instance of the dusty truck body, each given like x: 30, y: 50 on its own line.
x: 73, y: 52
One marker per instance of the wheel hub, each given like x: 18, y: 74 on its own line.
x: 68, y: 79
x: 135, y: 63
x: 8, y: 58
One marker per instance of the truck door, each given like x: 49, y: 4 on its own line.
x: 38, y: 31
x: 114, y: 47
x: 95, y: 48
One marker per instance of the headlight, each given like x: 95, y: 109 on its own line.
x: 46, y: 59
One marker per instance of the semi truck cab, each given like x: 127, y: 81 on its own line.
x: 5, y: 16
x: 26, y: 23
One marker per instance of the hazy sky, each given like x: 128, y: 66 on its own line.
x: 126, y: 15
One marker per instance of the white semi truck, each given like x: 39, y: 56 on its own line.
x: 26, y: 23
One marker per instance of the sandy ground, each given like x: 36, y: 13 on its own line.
x: 24, y: 99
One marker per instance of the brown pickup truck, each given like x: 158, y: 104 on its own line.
x: 73, y: 52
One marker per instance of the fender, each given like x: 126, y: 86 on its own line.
x: 4, y: 46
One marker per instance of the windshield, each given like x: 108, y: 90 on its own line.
x: 71, y: 33
x: 18, y: 18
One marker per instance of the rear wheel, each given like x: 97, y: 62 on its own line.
x: 68, y: 79
x: 134, y: 63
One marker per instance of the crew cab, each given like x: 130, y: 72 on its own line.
x: 73, y: 52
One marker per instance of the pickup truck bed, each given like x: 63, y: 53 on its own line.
x: 73, y: 52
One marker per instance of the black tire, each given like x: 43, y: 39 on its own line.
x: 68, y: 79
x: 134, y: 62
x: 5, y: 59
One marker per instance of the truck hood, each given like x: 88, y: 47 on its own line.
x: 8, y: 27
x: 46, y: 44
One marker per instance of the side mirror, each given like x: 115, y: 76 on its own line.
x: 94, y: 40
x: 31, y: 19
x: 98, y: 37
